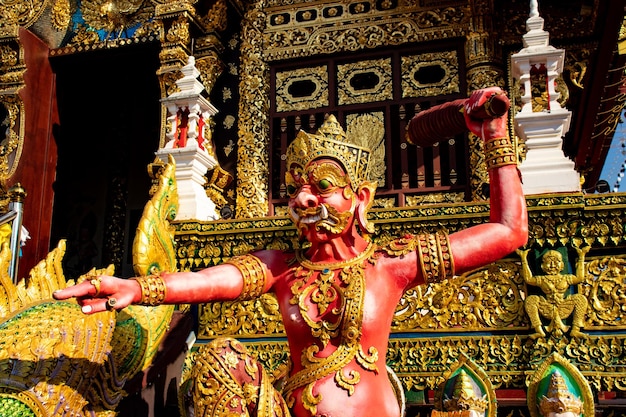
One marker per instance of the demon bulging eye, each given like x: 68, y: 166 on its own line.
x: 291, y: 190
x: 324, y: 184
x: 327, y: 176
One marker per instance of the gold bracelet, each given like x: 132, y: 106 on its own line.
x: 499, y: 152
x: 253, y: 273
x: 153, y: 290
x: 435, y: 257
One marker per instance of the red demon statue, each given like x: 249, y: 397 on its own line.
x: 337, y: 298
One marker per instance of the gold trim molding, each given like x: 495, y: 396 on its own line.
x: 313, y: 76
x: 312, y: 29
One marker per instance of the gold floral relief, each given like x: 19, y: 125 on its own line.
x: 179, y: 32
x: 364, y: 81
x: 491, y: 297
x: 302, y: 89
x: 61, y: 14
x: 605, y: 288
x: 20, y: 12
x: 114, y: 16
x: 430, y: 74
x: 252, y: 157
x: 216, y: 18
x: 210, y: 67
x: 255, y: 317
x: 83, y: 37
x: 434, y: 198
x: 368, y: 130
x: 12, y: 139
x: 294, y: 31
x: 384, y: 203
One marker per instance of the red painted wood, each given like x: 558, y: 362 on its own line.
x: 37, y: 165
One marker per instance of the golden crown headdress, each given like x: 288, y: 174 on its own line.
x: 465, y: 396
x: 559, y: 398
x: 330, y: 141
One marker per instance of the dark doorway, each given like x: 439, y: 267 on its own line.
x: 108, y: 133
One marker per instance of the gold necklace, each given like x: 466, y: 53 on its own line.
x: 320, y: 266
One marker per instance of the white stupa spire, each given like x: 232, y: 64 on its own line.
x: 189, y: 141
x: 542, y: 121
x: 534, y: 8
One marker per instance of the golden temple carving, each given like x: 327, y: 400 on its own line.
x: 252, y: 169
x: 556, y: 305
x: 317, y: 77
x: 449, y: 82
x: 114, y: 16
x: 296, y: 32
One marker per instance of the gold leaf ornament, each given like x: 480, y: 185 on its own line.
x: 114, y: 15
x: 61, y: 14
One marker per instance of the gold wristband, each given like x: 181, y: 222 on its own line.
x: 499, y: 152
x: 153, y: 290
x: 435, y: 257
x: 253, y: 273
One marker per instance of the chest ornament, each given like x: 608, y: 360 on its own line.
x: 330, y: 299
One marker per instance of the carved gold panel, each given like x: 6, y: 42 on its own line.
x: 368, y: 130
x: 302, y: 89
x: 364, y: 81
x: 491, y: 297
x: 300, y: 29
x: 430, y: 74
x: 20, y: 12
x: 605, y: 289
x: 434, y: 198
x: 12, y: 133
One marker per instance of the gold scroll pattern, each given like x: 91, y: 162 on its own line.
x: 13, y: 126
x: 256, y: 317
x: 12, y: 69
x: 294, y: 32
x: 252, y: 166
x: 20, y: 12
x: 605, y: 289
x: 490, y: 297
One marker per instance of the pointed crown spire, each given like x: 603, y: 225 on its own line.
x: 330, y: 141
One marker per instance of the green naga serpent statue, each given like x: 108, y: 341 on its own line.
x: 57, y: 361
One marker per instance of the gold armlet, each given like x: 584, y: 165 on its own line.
x: 153, y: 290
x: 253, y: 273
x: 435, y: 257
x: 499, y: 152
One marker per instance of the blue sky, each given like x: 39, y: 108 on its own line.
x: 615, y: 164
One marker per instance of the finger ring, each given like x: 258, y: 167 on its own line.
x: 111, y: 303
x: 96, y: 284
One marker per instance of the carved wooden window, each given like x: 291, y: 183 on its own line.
x: 376, y: 92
